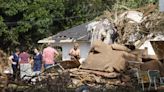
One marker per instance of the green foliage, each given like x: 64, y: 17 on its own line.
x: 133, y: 3
x: 24, y: 22
x: 3, y: 27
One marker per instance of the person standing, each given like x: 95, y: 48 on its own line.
x: 49, y: 55
x: 75, y: 52
x: 15, y: 63
x: 25, y: 66
x: 37, y: 62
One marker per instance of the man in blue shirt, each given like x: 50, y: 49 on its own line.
x: 15, y: 62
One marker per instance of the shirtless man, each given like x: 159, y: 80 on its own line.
x: 75, y: 52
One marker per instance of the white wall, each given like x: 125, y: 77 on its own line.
x: 161, y: 5
x: 149, y: 46
x: 84, y: 49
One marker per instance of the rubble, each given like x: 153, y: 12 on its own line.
x: 158, y: 47
x: 114, y: 66
x: 104, y: 58
x: 94, y: 78
x: 150, y: 65
x: 111, y: 66
x: 68, y: 64
x: 103, y: 74
x: 4, y: 66
x: 136, y: 24
x: 112, y: 61
x: 106, y: 65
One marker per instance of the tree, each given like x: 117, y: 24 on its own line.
x: 85, y: 10
x: 23, y: 22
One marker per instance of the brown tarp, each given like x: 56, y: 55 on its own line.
x: 103, y: 58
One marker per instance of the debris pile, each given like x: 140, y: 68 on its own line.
x: 3, y: 66
x: 3, y: 60
x: 108, y: 58
x: 135, y: 26
x: 106, y: 65
x: 115, y: 66
x: 115, y: 56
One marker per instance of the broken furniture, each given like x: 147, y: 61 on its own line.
x: 143, y: 78
x: 154, y: 77
x: 161, y: 81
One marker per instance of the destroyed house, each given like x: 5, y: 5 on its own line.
x: 83, y: 34
x: 66, y: 38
